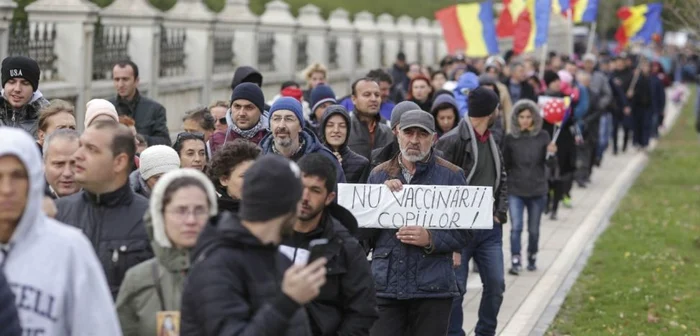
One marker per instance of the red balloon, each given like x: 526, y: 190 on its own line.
x: 554, y: 111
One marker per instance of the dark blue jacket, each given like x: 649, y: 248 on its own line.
x: 355, y: 166
x: 403, y: 271
x: 311, y: 145
x: 9, y: 319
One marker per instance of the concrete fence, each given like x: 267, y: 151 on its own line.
x: 187, y: 55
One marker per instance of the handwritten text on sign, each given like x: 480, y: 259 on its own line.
x: 432, y: 207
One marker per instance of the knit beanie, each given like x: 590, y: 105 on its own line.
x: 288, y: 104
x: 321, y: 94
x: 550, y: 77
x: 482, y: 102
x: 98, y: 107
x: 158, y: 159
x: 21, y: 67
x: 400, y: 109
x: 261, y: 197
x: 251, y: 93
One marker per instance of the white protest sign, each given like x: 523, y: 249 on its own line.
x: 432, y: 207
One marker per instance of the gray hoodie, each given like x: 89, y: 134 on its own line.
x: 59, y: 285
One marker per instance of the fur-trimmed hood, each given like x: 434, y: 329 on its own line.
x: 526, y: 104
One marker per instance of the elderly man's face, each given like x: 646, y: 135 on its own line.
x: 415, y: 143
x: 285, y: 128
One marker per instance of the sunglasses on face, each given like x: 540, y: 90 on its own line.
x: 222, y: 120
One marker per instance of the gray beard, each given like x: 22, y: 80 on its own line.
x: 414, y: 158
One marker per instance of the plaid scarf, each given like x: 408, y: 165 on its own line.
x: 249, y: 133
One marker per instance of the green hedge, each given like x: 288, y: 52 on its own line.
x: 413, y: 8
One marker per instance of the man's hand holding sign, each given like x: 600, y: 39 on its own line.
x: 414, y: 235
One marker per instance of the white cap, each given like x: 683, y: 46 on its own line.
x: 590, y: 58
x: 158, y: 159
x: 97, y: 107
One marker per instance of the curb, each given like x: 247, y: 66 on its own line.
x: 565, y: 269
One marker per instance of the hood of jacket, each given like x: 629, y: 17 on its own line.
x: 521, y: 105
x: 138, y: 185
x: 35, y: 104
x: 344, y: 216
x: 246, y: 74
x: 18, y: 143
x: 331, y: 111
x: 169, y: 256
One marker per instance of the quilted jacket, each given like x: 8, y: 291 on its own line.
x: 403, y: 271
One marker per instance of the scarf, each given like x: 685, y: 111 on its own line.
x: 302, y: 145
x: 249, y: 133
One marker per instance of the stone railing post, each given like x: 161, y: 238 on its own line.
x: 75, y: 27
x: 342, y: 30
x: 144, y: 22
x: 315, y: 28
x: 198, y: 22
x: 409, y: 34
x: 426, y: 41
x: 440, y: 45
x: 6, y: 9
x: 390, y: 37
x: 237, y: 16
x: 370, y: 48
x: 278, y: 20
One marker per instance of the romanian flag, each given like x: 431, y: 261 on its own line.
x: 584, y: 10
x: 512, y: 9
x: 561, y: 6
x: 532, y: 27
x: 639, y: 23
x: 469, y: 27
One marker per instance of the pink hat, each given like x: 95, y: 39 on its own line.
x: 98, y: 107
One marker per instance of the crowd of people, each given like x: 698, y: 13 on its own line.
x: 117, y: 229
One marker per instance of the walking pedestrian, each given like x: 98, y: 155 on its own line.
x: 182, y: 202
x: 334, y: 133
x: 200, y: 120
x: 245, y: 119
x: 106, y: 209
x: 389, y: 151
x: 149, y: 115
x: 155, y: 161
x: 239, y: 283
x: 192, y: 150
x: 472, y: 148
x: 526, y: 151
x: 226, y: 171
x: 59, y: 286
x: 412, y: 300
x: 368, y: 129
x: 21, y: 99
x: 59, y: 114
x: 59, y: 164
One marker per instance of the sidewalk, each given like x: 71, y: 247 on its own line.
x: 532, y: 299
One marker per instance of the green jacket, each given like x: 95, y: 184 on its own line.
x: 138, y: 302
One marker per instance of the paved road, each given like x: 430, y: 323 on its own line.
x: 532, y: 299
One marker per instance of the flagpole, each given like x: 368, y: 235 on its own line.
x: 570, y: 15
x: 591, y: 36
x: 543, y: 60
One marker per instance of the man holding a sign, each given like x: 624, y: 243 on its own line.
x: 412, y: 266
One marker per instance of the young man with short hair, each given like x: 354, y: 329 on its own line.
x: 21, y: 99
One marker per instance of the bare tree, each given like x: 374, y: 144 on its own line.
x: 683, y: 14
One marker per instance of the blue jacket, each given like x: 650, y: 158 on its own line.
x: 403, y: 271
x: 311, y: 145
x: 468, y: 81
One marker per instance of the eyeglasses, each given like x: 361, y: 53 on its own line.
x: 198, y: 213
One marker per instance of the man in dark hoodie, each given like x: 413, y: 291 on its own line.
x: 335, y: 127
x: 346, y: 305
x: 288, y: 136
x: 237, y: 284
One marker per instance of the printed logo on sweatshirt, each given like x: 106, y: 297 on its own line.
x: 34, y: 301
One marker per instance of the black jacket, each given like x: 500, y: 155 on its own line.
x: 346, y: 304
x: 234, y: 286
x: 9, y: 319
x: 114, y: 224
x: 359, y: 140
x: 462, y: 138
x: 227, y: 203
x: 27, y: 117
x: 149, y: 115
x: 355, y: 166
